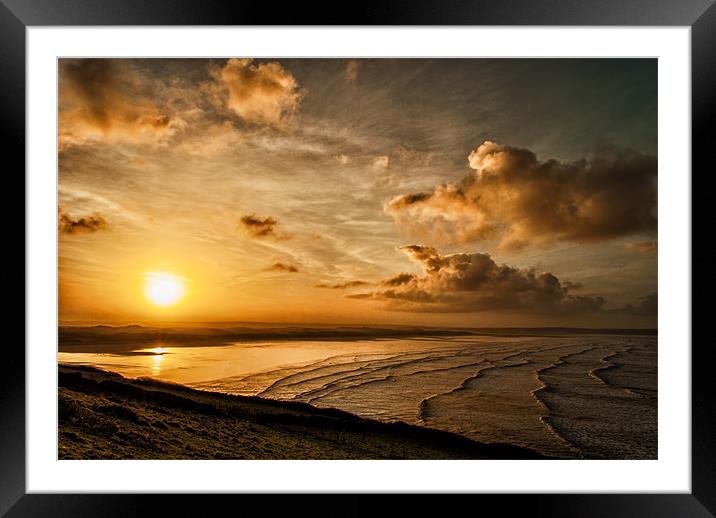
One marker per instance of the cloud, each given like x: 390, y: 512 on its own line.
x: 646, y: 306
x: 85, y: 224
x: 643, y: 247
x: 351, y: 71
x: 513, y: 197
x: 381, y: 162
x: 475, y: 282
x: 261, y: 227
x: 263, y: 93
x: 107, y: 100
x: 344, y: 285
x: 400, y: 279
x: 281, y: 267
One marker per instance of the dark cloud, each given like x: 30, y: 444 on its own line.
x: 519, y: 200
x: 399, y: 280
x: 344, y: 285
x: 282, y: 267
x: 473, y: 283
x: 646, y: 306
x: 104, y: 99
x: 644, y: 247
x: 260, y: 227
x: 85, y: 224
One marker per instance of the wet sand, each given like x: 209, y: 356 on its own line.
x: 103, y: 415
x: 581, y: 396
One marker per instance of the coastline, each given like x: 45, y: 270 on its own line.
x: 123, y: 339
x: 103, y: 415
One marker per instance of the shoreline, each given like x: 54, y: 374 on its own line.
x: 122, y: 339
x: 103, y: 415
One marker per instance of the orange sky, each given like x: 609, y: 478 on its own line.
x: 434, y: 192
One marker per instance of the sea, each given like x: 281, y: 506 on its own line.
x: 575, y: 397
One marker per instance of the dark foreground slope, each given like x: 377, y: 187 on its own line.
x: 105, y: 416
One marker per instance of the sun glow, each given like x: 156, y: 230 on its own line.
x: 163, y: 289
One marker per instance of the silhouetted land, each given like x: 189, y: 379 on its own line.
x: 102, y: 338
x: 103, y: 415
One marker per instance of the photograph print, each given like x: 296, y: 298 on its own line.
x: 357, y: 258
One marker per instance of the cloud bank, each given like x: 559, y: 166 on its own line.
x: 474, y: 283
x: 514, y: 198
x: 646, y: 306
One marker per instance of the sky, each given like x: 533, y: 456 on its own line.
x: 446, y: 192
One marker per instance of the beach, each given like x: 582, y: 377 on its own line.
x: 561, y: 394
x: 103, y: 415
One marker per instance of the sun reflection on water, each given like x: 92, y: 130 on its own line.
x: 157, y: 364
x: 157, y: 357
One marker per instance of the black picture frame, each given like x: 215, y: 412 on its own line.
x: 700, y: 15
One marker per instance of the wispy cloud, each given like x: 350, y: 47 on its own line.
x: 344, y: 285
x: 351, y: 70
x: 643, y: 247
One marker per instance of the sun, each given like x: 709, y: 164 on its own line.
x: 163, y: 289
